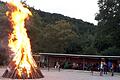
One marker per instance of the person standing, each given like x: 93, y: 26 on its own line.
x: 105, y: 68
x: 109, y: 65
x: 101, y: 68
x: 112, y: 69
x: 93, y: 66
x: 119, y: 67
x: 57, y: 66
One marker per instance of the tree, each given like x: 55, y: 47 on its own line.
x: 109, y: 23
x: 52, y: 37
x: 109, y: 19
x: 111, y: 51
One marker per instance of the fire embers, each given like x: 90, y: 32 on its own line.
x: 12, y: 72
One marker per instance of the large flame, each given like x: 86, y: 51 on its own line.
x: 18, y: 39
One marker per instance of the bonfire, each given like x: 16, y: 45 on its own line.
x: 22, y: 66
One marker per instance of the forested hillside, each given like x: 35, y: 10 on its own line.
x: 54, y: 32
x: 61, y: 34
x: 57, y: 33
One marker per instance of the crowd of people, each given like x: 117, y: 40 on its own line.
x: 103, y: 67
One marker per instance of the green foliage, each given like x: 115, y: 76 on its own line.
x: 54, y: 38
x: 108, y: 30
x: 102, y: 42
x: 90, y: 51
x: 54, y: 32
x: 58, y: 33
x: 74, y: 48
x: 111, y: 51
x: 61, y: 34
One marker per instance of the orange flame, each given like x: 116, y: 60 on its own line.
x: 18, y: 39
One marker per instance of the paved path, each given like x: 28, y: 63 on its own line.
x: 70, y: 75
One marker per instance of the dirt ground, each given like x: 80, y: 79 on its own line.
x: 54, y: 74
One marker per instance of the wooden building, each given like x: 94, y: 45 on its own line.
x: 83, y: 61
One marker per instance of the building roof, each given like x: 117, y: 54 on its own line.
x: 77, y: 55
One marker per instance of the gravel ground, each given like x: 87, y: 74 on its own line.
x: 69, y: 75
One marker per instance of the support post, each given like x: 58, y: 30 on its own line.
x: 83, y: 63
x: 48, y: 62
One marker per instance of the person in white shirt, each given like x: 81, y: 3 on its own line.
x: 101, y: 68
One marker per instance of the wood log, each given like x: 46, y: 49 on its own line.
x: 11, y: 72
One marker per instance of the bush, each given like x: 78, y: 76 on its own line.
x: 112, y: 51
x: 90, y: 51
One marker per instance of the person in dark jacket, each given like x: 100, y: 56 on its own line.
x: 112, y: 69
x: 105, y: 68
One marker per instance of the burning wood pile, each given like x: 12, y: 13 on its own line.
x: 22, y: 66
x: 12, y: 72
